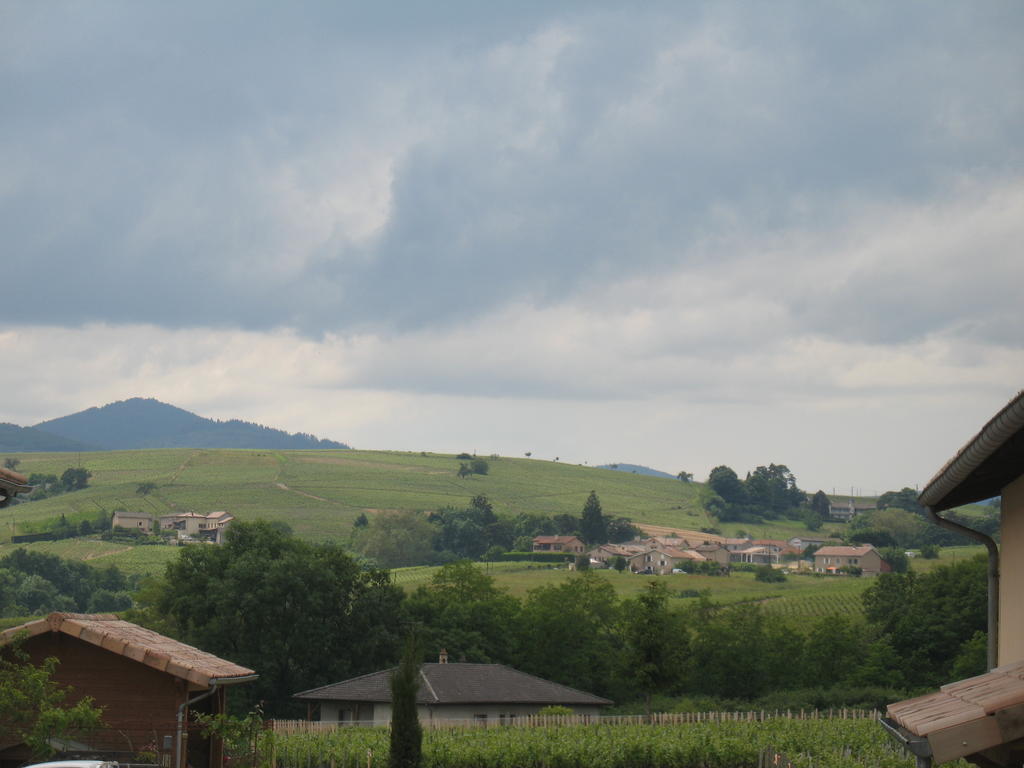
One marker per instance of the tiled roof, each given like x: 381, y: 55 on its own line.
x: 845, y: 551
x: 14, y: 481
x: 459, y: 684
x: 555, y: 539
x: 964, y: 717
x: 145, y: 646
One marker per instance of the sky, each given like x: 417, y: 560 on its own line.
x: 672, y: 234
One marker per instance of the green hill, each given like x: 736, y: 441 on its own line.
x: 320, y: 493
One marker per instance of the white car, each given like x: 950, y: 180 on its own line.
x: 75, y: 764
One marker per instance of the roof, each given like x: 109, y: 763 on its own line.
x: 107, y: 631
x: 459, y: 684
x: 845, y: 551
x: 556, y: 539
x: 14, y: 482
x: 968, y: 716
x: 990, y: 461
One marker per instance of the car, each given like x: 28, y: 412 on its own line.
x: 75, y: 764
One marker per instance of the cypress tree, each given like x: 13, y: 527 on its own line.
x: 406, y: 732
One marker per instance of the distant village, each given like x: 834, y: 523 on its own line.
x: 190, y: 526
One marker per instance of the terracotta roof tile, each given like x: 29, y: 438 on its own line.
x: 151, y: 648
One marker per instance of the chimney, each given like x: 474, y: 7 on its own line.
x: 443, y: 658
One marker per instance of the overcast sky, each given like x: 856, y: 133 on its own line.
x: 678, y: 234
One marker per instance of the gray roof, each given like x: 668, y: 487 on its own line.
x: 458, y: 684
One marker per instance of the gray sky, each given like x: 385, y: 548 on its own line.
x: 679, y: 234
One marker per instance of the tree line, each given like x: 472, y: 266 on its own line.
x: 305, y: 615
x: 474, y: 532
x: 35, y: 583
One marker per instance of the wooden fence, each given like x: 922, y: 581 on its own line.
x: 531, y: 721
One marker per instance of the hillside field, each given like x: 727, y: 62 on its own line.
x: 320, y: 493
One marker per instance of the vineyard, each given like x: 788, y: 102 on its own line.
x: 814, y: 606
x: 817, y: 743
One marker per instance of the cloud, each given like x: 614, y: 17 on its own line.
x: 328, y: 169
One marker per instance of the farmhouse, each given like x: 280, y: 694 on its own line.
x: 134, y: 521
x: 147, y: 684
x: 982, y: 718
x: 571, y: 545
x: 662, y: 560
x: 867, y: 558
x: 480, y: 692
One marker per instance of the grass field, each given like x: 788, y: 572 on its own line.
x: 320, y: 493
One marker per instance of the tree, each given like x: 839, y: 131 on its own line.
x: 75, y: 478
x: 32, y: 708
x: 464, y: 470
x: 655, y: 643
x: 299, y: 613
x: 479, y: 466
x: 146, y: 488
x: 11, y: 463
x: 821, y: 505
x: 724, y: 481
x: 569, y: 633
x: 462, y: 611
x: 905, y: 498
x: 406, y: 731
x: 773, y: 489
x: 396, y: 539
x: 619, y: 563
x: 686, y: 477
x: 593, y: 526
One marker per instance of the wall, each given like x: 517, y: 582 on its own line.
x: 1011, y: 566
x: 380, y: 713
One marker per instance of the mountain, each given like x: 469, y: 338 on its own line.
x: 148, y: 423
x: 15, y: 439
x: 636, y: 469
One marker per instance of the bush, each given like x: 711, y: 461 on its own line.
x: 769, y: 575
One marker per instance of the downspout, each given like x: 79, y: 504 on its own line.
x: 181, y: 717
x: 993, y: 579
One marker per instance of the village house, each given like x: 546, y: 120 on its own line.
x: 604, y: 555
x: 448, y: 692
x: 191, y: 525
x: 800, y: 543
x: 662, y: 560
x: 571, y: 545
x: 147, y: 684
x: 845, y: 511
x: 133, y: 521
x: 715, y: 552
x: 866, y: 557
x: 982, y: 718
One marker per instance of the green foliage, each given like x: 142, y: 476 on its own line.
x: 406, y: 748
x: 905, y: 498
x: 593, y: 527
x: 655, y: 647
x: 570, y: 633
x: 820, y: 504
x: 396, y: 539
x: 930, y: 552
x: 925, y: 619
x: 823, y: 743
x: 896, y: 558
x: 32, y: 708
x: 245, y: 739
x: 462, y: 611
x: 146, y: 488
x: 75, y: 478
x: 479, y: 466
x: 619, y: 563
x: 686, y: 477
x: 11, y: 463
x: 298, y: 613
x: 769, y: 575
x: 34, y: 583
x: 554, y: 710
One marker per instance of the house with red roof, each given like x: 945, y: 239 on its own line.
x: 148, y: 685
x: 835, y: 559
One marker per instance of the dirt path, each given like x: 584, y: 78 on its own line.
x: 284, y: 487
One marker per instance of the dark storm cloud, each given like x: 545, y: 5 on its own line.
x: 222, y: 165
